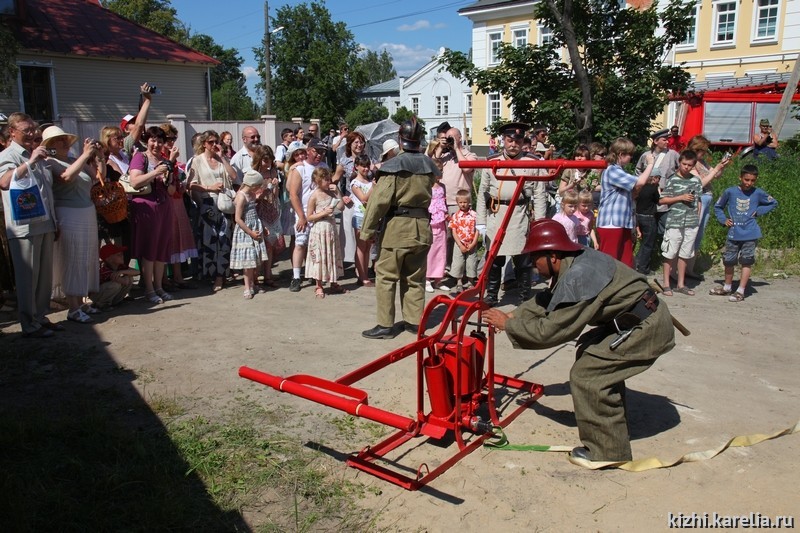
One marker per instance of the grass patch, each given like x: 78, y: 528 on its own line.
x: 93, y: 462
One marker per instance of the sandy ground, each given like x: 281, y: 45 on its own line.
x: 736, y: 374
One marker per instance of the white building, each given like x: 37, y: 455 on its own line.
x: 432, y: 94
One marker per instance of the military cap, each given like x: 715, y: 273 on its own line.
x: 660, y: 133
x: 514, y: 129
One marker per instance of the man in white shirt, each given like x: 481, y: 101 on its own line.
x: 243, y: 159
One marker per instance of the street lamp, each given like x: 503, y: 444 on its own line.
x: 268, y: 73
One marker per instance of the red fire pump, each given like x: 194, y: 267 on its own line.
x: 456, y: 362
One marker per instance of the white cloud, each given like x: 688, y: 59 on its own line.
x: 406, y: 59
x: 418, y: 25
x: 249, y: 72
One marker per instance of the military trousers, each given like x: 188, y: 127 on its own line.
x: 404, y: 268
x: 598, y: 395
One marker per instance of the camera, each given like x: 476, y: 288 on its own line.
x: 727, y: 156
x: 51, y: 152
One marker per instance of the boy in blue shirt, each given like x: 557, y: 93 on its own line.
x: 744, y: 204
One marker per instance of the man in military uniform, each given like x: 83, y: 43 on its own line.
x: 401, y: 196
x: 495, y: 197
x: 631, y: 329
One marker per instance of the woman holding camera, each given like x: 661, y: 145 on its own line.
x: 151, y: 214
x: 75, y: 267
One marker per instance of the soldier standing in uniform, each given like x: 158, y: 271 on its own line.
x: 631, y: 329
x: 401, y: 196
x: 494, y: 197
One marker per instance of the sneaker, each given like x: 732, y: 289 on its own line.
x: 428, y: 286
x: 294, y: 285
x: 443, y: 286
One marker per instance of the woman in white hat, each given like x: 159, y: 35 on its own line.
x: 75, y: 264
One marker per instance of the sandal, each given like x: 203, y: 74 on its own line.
x: 165, y: 296
x: 90, y: 309
x: 319, y: 293
x: 153, y: 298
x: 736, y: 297
x: 248, y: 295
x: 685, y: 290
x: 719, y: 290
x: 337, y: 289
x: 367, y: 283
x: 79, y: 316
x: 667, y: 291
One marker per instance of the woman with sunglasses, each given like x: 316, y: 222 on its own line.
x: 209, y: 175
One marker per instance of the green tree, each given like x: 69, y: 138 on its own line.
x: 615, y: 82
x: 9, y: 48
x: 376, y: 68
x: 229, y: 102
x: 315, y: 65
x: 157, y: 15
x: 366, y: 112
x: 402, y: 114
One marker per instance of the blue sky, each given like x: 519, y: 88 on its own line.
x: 412, y: 31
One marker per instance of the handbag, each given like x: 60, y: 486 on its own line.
x: 110, y: 200
x: 125, y: 181
x: 27, y: 205
x: 225, y: 201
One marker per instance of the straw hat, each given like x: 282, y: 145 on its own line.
x: 293, y: 148
x: 54, y: 132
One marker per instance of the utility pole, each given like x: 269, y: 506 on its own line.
x: 786, y: 100
x: 267, y: 72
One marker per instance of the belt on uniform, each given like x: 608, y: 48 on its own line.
x: 411, y: 212
x: 491, y: 200
x: 623, y: 323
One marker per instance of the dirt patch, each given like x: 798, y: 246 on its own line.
x: 736, y: 374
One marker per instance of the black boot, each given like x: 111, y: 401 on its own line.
x: 493, y: 284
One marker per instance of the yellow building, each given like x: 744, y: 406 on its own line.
x: 731, y: 39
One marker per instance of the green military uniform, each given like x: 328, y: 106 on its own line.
x: 592, y: 289
x: 401, y: 196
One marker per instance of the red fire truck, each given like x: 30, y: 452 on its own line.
x: 727, y: 110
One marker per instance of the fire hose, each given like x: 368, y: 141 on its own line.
x: 500, y: 442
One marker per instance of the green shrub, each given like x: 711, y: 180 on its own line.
x: 778, y: 178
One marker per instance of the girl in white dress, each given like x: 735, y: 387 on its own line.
x: 324, y: 257
x: 248, y: 250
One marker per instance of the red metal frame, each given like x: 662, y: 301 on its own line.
x: 450, y: 360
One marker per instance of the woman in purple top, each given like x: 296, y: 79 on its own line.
x: 151, y: 214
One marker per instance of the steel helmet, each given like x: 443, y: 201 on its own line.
x: 411, y: 133
x: 547, y: 235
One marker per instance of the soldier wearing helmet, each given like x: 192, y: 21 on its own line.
x: 400, y: 199
x: 631, y: 329
x: 494, y: 198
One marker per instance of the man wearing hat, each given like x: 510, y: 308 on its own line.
x: 666, y: 160
x: 764, y: 143
x: 631, y: 329
x: 401, y: 198
x: 495, y: 197
x: 300, y: 185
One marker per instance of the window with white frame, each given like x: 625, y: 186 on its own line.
x: 468, y: 104
x: 493, y: 105
x: 691, y: 36
x: 415, y: 105
x: 519, y: 37
x: 495, y: 39
x: 766, y: 23
x: 724, y: 23
x: 441, y: 105
x: 545, y: 35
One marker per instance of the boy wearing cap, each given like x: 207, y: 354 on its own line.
x: 116, y: 280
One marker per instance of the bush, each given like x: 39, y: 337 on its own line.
x: 778, y: 178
